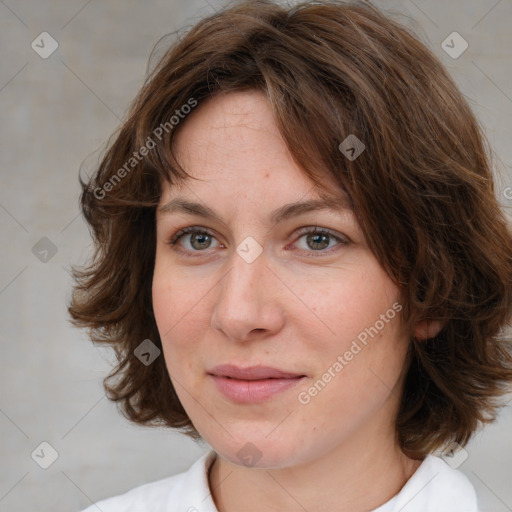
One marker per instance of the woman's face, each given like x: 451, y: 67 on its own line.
x: 259, y: 290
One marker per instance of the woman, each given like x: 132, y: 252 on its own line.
x: 301, y: 261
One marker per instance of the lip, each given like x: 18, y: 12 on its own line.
x: 252, y: 384
x: 252, y: 372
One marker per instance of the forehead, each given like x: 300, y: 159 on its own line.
x: 233, y: 128
x: 231, y: 141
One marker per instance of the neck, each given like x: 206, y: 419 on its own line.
x: 360, y: 475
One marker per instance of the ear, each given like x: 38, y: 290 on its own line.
x: 427, y: 329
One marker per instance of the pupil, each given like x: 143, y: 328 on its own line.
x: 202, y: 238
x: 316, y: 241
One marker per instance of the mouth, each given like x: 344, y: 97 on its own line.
x: 252, y: 384
x: 252, y: 373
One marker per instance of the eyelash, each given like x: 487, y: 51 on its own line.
x: 305, y: 231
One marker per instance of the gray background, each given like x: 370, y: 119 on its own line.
x: 58, y: 112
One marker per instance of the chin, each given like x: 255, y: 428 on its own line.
x: 257, y: 451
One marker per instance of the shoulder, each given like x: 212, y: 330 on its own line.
x: 453, y: 483
x: 435, y: 487
x: 184, y: 491
x: 452, y: 487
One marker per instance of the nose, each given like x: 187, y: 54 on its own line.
x: 249, y: 301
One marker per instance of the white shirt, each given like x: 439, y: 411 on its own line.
x: 434, y: 487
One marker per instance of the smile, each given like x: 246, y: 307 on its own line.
x: 251, y: 391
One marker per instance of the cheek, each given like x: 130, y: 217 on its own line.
x: 175, y: 297
x: 176, y: 336
x: 170, y: 300
x: 333, y: 307
x: 354, y: 339
x: 181, y: 314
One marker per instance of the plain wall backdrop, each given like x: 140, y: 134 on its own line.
x: 57, y: 112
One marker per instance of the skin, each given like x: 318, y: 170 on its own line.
x: 285, y: 310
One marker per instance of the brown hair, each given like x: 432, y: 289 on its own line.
x: 422, y: 192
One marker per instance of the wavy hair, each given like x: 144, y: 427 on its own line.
x: 422, y: 191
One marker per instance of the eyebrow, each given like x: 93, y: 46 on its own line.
x: 286, y: 211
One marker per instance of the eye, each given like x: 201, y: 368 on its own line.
x: 199, y: 239
x: 316, y: 240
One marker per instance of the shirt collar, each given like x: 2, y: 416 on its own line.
x: 434, y: 486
